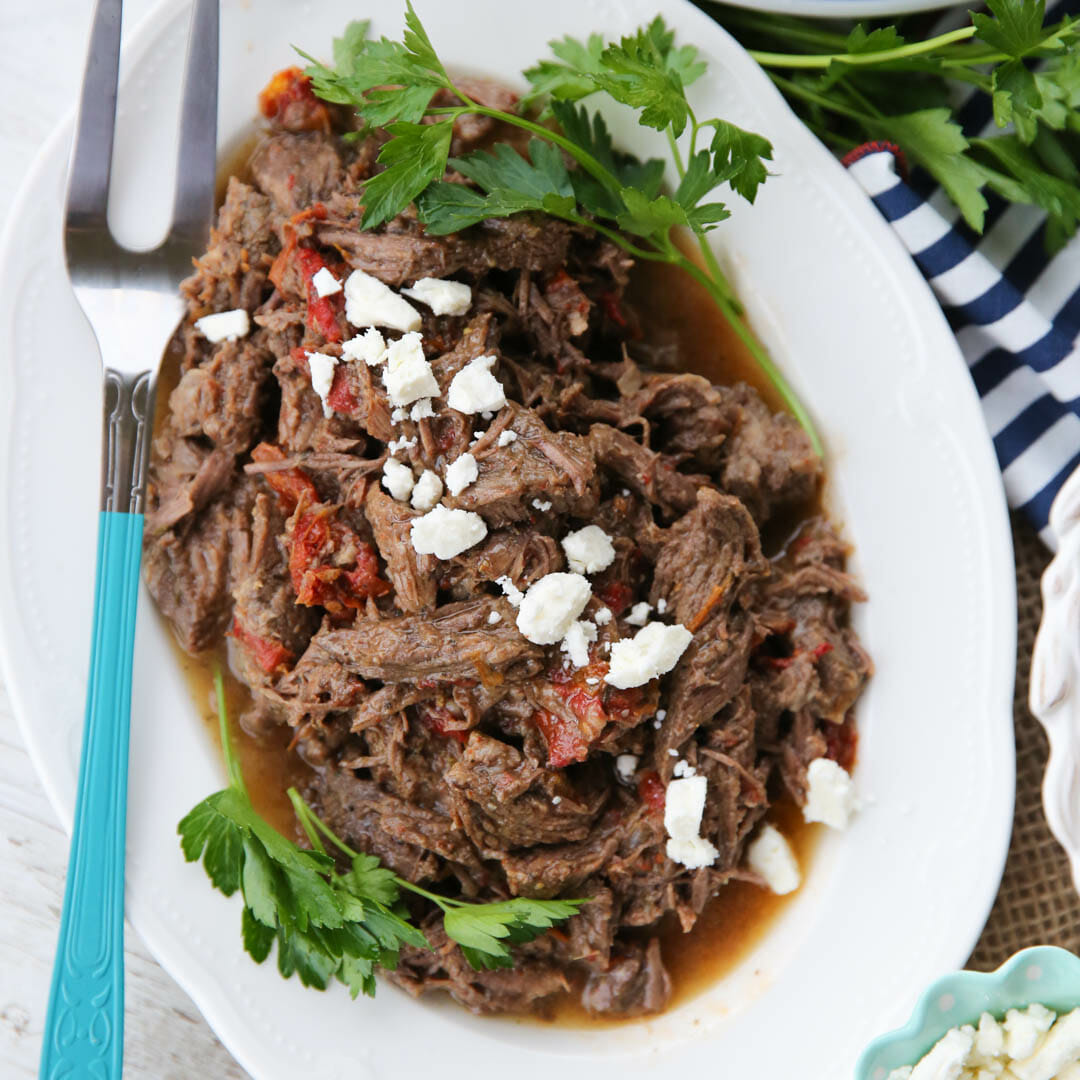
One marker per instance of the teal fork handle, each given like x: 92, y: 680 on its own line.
x: 84, y: 1027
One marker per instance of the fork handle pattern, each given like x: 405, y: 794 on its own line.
x: 84, y: 1027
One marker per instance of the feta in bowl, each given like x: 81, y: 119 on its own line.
x: 947, y: 1029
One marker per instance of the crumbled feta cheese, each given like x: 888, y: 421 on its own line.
x: 322, y: 367
x: 398, y: 415
x: 589, y: 550
x: 395, y: 446
x: 672, y: 751
x: 422, y: 410
x: 224, y: 325
x: 684, y: 803
x: 661, y: 715
x: 368, y: 302
x: 683, y: 768
x: 576, y: 642
x: 461, y: 472
x: 1058, y: 1049
x: 770, y: 856
x: 651, y: 652
x: 1030, y: 1044
x: 556, y: 799
x: 370, y: 346
x: 656, y: 724
x: 639, y: 614
x: 474, y: 389
x: 443, y: 297
x: 507, y: 437
x: 487, y: 414
x: 407, y: 375
x: 603, y: 616
x: 325, y: 283
x: 494, y: 618
x: 830, y: 794
x: 551, y: 606
x: 398, y: 479
x: 510, y: 590
x: 592, y: 680
x: 428, y: 490
x: 625, y: 493
x: 626, y: 766
x: 1022, y: 1029
x: 541, y: 505
x: 445, y: 533
x: 661, y: 606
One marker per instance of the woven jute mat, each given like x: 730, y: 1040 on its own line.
x: 1037, y: 903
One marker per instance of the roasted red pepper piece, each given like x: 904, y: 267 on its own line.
x: 267, y: 653
x: 322, y: 311
x: 563, y: 737
x: 442, y: 721
x: 616, y: 596
x: 290, y: 485
x: 289, y: 100
x: 341, y: 398
x: 651, y: 790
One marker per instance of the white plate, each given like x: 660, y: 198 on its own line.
x: 894, y: 902
x: 855, y: 9
x: 1054, y: 695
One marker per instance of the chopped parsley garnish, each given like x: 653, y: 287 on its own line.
x: 329, y: 923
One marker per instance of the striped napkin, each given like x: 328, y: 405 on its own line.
x: 1014, y: 310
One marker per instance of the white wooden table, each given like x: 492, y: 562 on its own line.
x: 166, y: 1039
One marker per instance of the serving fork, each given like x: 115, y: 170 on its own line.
x: 132, y: 302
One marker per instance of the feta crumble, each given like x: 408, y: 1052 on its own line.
x: 474, y: 389
x: 461, y: 473
x: 551, y: 606
x: 370, y: 346
x: 444, y: 533
x: 576, y: 642
x: 651, y: 652
x: 407, y: 375
x: 443, y: 297
x: 541, y: 505
x: 1029, y: 1044
x: 322, y: 367
x: 626, y: 766
x: 771, y: 856
x: 684, y: 804
x: 661, y: 715
x: 589, y: 550
x: 398, y: 415
x: 512, y: 593
x: 422, y: 410
x: 592, y: 680
x: 830, y: 794
x: 507, y: 437
x: 398, y: 479
x: 395, y: 446
x: 556, y: 799
x: 325, y: 283
x: 661, y: 606
x: 494, y: 618
x: 603, y: 616
x: 369, y: 302
x: 224, y: 325
x: 683, y: 768
x: 639, y: 614
x: 428, y: 490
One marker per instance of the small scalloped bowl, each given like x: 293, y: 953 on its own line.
x: 1044, y: 974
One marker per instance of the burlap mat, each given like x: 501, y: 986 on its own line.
x: 1037, y: 904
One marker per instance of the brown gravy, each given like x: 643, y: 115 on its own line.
x: 671, y: 305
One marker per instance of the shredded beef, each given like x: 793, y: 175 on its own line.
x: 443, y: 741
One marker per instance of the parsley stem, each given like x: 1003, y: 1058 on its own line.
x: 806, y: 94
x: 308, y: 818
x: 869, y: 59
x: 304, y: 816
x: 228, y: 751
x: 444, y: 902
x: 672, y: 142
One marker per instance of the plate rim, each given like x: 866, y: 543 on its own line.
x: 210, y: 997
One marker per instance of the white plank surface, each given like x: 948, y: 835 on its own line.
x: 165, y: 1039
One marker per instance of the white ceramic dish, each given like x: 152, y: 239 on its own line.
x: 854, y: 9
x: 913, y: 479
x: 1054, y: 696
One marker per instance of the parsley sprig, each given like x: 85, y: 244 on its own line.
x: 875, y: 83
x: 570, y: 168
x: 328, y: 923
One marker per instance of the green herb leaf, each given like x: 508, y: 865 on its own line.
x: 740, y: 158
x: 1015, y: 28
x: 483, y: 930
x: 414, y: 158
x: 859, y: 42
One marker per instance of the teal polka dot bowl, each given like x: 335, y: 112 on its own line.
x: 1046, y: 975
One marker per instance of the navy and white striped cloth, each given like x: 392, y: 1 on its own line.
x: 1015, y: 312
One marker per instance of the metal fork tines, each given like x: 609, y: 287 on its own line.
x: 133, y: 304
x: 131, y: 298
